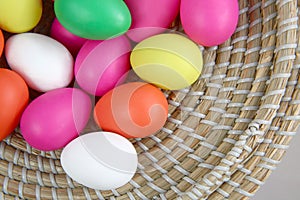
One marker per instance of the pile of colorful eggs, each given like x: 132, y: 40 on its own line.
x: 97, y: 42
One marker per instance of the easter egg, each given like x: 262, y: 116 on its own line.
x: 133, y: 110
x: 101, y: 65
x: 150, y: 17
x: 69, y: 40
x: 100, y: 160
x: 19, y: 16
x: 1, y: 43
x: 209, y: 23
x: 55, y: 118
x: 170, y: 61
x: 44, y: 63
x: 93, y: 19
x: 14, y: 97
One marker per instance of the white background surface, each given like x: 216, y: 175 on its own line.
x: 284, y: 182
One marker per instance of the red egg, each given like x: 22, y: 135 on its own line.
x: 1, y: 43
x: 14, y: 97
x: 134, y: 110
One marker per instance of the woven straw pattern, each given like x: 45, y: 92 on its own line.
x: 224, y: 135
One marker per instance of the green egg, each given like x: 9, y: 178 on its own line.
x: 93, y: 19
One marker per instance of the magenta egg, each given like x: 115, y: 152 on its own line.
x: 72, y: 42
x: 102, y: 65
x: 209, y: 23
x: 55, y: 118
x: 151, y: 17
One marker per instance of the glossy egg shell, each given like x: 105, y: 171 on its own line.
x: 20, y: 16
x: 93, y: 19
x: 170, y: 61
x: 14, y: 98
x: 108, y: 160
x: 44, y: 63
x: 150, y: 17
x: 209, y: 23
x: 133, y: 109
x: 71, y: 41
x: 101, y: 65
x: 55, y: 118
x: 1, y: 42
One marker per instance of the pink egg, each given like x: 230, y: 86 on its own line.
x: 209, y: 23
x: 72, y: 42
x: 151, y: 17
x: 55, y: 118
x: 102, y: 65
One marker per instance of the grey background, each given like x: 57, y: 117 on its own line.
x: 284, y: 182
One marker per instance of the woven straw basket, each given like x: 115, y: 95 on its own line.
x: 224, y: 135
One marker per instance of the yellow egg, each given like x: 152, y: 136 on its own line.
x: 170, y: 61
x: 19, y: 16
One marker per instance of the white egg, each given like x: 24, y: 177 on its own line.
x: 100, y: 160
x: 44, y: 63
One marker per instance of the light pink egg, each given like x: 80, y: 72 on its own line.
x: 209, y: 23
x: 72, y: 42
x: 55, y: 118
x: 151, y: 17
x: 101, y: 65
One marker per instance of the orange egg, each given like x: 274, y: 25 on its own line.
x: 134, y: 110
x: 14, y: 97
x: 1, y: 43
